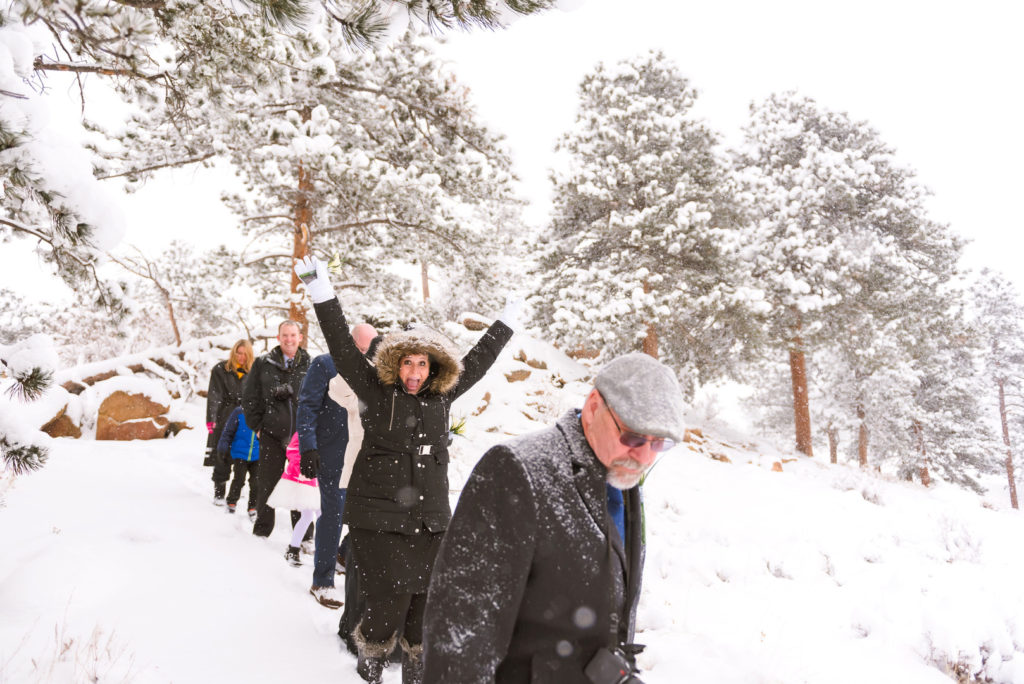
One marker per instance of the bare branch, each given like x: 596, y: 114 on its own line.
x: 167, y: 165
x: 92, y: 69
x: 143, y: 4
x: 267, y: 216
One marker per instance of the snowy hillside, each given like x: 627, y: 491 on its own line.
x: 116, y: 567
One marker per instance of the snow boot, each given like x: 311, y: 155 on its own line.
x: 373, y: 655
x: 218, y: 493
x: 252, y: 514
x: 327, y: 597
x: 231, y: 507
x: 292, y: 556
x: 412, y: 663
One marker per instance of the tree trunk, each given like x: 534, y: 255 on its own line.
x: 301, y: 221
x: 1006, y: 441
x: 862, y: 438
x: 833, y: 443
x: 650, y: 344
x: 170, y: 313
x: 423, y: 278
x: 926, y: 478
x: 801, y: 406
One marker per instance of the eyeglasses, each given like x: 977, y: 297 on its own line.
x: 631, y: 439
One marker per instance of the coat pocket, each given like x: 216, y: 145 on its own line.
x: 381, y: 474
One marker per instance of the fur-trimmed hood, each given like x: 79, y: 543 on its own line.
x: 445, y: 364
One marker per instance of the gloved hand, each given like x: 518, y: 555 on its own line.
x: 512, y: 313
x: 210, y: 427
x: 309, y: 463
x: 313, y: 273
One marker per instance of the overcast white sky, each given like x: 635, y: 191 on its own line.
x: 941, y: 81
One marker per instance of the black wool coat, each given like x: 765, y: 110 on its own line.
x: 399, y: 482
x: 268, y: 405
x: 222, y: 396
x: 521, y: 589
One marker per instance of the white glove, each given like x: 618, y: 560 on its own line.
x: 313, y: 273
x: 512, y: 313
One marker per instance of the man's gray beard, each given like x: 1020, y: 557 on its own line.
x: 622, y: 480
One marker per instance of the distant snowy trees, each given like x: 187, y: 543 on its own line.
x: 643, y: 238
x: 810, y: 244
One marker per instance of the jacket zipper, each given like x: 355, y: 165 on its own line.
x: 392, y: 422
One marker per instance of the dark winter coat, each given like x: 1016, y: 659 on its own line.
x: 400, y: 479
x: 222, y: 396
x: 523, y: 569
x: 237, y: 439
x: 322, y: 422
x: 270, y: 394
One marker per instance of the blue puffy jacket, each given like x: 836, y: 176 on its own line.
x: 237, y: 438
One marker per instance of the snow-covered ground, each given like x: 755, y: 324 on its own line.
x: 116, y: 567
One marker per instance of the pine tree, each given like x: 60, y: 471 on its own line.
x: 643, y: 228
x: 843, y: 247
x: 376, y: 158
x: 998, y: 319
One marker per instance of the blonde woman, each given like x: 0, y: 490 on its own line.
x: 223, y: 395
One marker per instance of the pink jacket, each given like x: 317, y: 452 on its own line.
x: 291, y: 468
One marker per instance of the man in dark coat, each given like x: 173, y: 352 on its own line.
x: 538, y: 577
x: 397, y: 504
x: 269, y: 397
x: 326, y: 404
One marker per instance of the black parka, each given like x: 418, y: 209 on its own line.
x: 269, y: 406
x: 222, y: 396
x: 400, y: 479
x: 522, y: 589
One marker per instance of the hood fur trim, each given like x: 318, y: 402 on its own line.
x: 445, y: 364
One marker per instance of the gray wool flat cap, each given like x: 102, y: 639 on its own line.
x: 645, y: 394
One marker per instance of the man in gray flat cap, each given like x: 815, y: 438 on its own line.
x: 538, y: 577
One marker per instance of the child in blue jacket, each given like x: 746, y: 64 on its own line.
x: 244, y: 447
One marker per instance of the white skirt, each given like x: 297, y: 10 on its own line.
x: 292, y: 496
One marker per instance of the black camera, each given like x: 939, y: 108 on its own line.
x: 282, y: 392
x: 612, y: 666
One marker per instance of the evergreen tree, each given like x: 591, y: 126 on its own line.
x: 998, y: 319
x: 643, y: 230
x: 842, y: 245
x: 376, y: 158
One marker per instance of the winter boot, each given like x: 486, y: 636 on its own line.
x: 327, y: 597
x: 252, y: 514
x: 412, y: 663
x: 373, y: 655
x: 231, y: 507
x: 218, y: 493
x: 292, y: 556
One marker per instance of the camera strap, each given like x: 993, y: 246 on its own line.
x: 614, y: 617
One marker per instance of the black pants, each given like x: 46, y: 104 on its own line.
x: 354, y: 601
x: 239, y: 469
x: 397, y: 613
x: 221, y: 468
x: 268, y: 472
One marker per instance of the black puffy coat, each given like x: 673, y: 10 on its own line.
x: 521, y: 590
x: 270, y: 394
x: 222, y: 396
x: 400, y: 479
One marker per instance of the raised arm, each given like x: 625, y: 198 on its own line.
x: 348, y: 360
x: 485, y: 352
